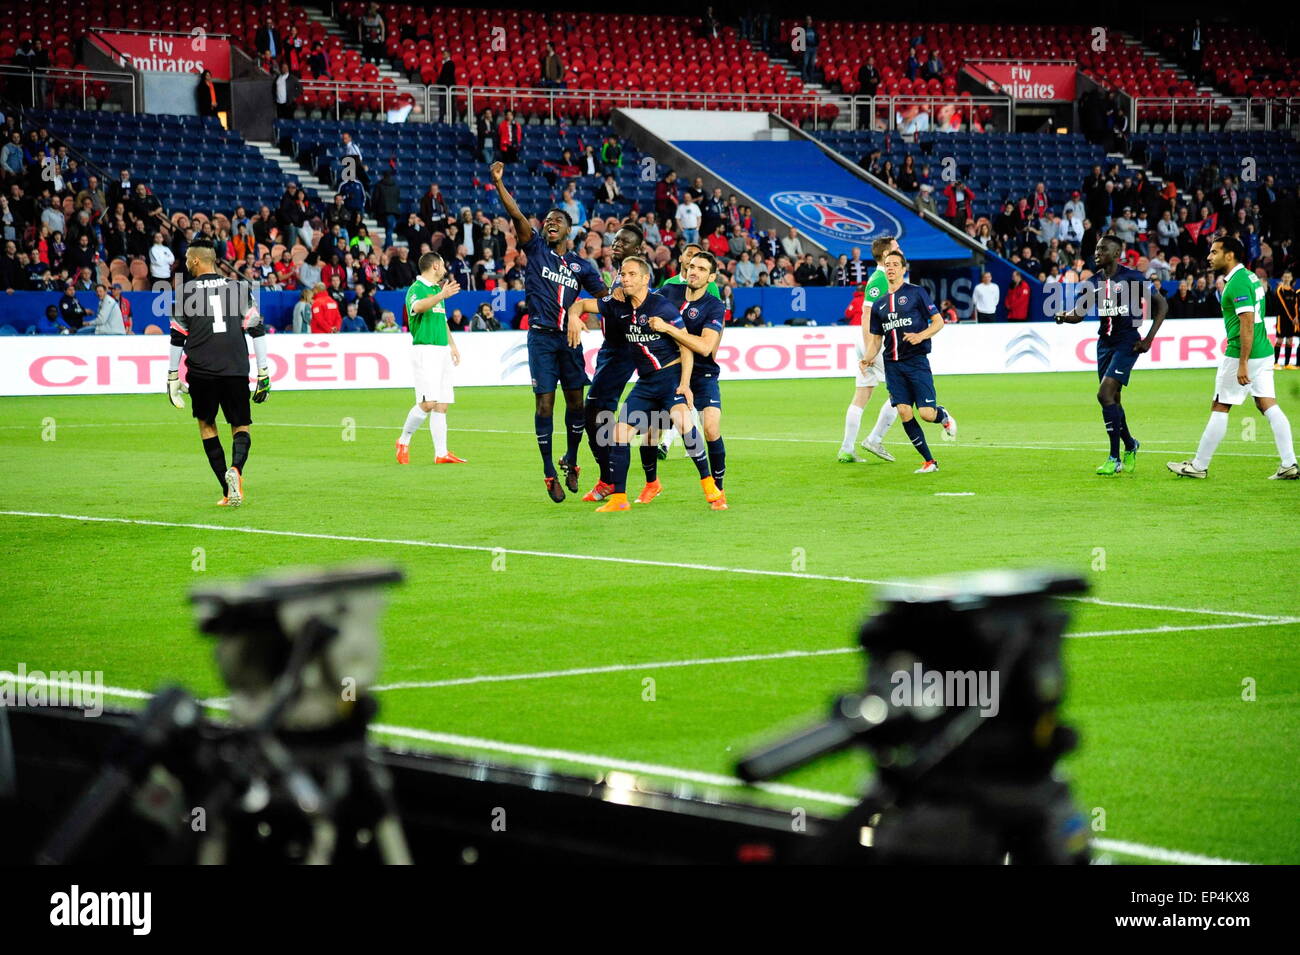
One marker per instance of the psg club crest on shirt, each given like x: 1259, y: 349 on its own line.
x: 838, y: 217
x: 902, y: 300
x: 693, y: 312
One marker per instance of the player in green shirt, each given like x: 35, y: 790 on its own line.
x: 433, y: 355
x: 877, y: 285
x: 1247, y: 366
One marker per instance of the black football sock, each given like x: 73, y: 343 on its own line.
x: 575, y: 423
x: 216, y: 460
x: 940, y: 415
x: 717, y: 461
x: 917, y: 436
x: 242, y: 441
x: 598, y: 440
x: 1130, y: 442
x: 542, y: 424
x: 1288, y: 353
x: 620, y: 456
x: 650, y: 463
x: 1277, y: 351
x: 694, y: 443
x: 1110, y: 415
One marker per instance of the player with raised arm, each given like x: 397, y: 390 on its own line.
x: 552, y: 281
x: 433, y: 356
x: 877, y: 285
x: 1247, y: 367
x: 615, y: 365
x: 663, y: 369
x: 702, y: 315
x: 211, y: 326
x: 1121, y: 296
x: 903, y: 321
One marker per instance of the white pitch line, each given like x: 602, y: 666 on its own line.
x: 612, y: 668
x: 599, y: 558
x: 954, y: 493
x: 761, y: 657
x: 968, y: 444
x: 1136, y: 849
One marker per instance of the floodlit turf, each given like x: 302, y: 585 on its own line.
x: 1171, y: 752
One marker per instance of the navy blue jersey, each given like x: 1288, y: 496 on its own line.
x: 704, y: 312
x: 552, y: 282
x: 1120, y: 303
x: 895, y: 314
x: 651, y: 350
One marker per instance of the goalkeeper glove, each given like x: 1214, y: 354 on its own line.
x: 263, y: 385
x: 174, y: 389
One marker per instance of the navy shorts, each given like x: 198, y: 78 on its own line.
x: 1116, y: 360
x: 650, y: 402
x: 551, y: 360
x: 910, y: 382
x: 614, y: 369
x: 706, y: 392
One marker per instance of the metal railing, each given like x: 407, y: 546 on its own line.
x: 1243, y: 112
x: 54, y: 86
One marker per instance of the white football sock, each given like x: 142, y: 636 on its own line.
x: 668, y: 437
x: 414, y: 418
x: 884, y: 421
x: 1215, y: 429
x: 438, y: 425
x: 1281, y: 434
x: 852, y: 422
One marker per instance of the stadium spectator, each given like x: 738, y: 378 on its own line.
x: 372, y: 31
x: 961, y: 200
x: 868, y: 77
x: 161, y: 259
x: 949, y: 312
x: 388, y: 204
x: 552, y: 69
x: 1125, y: 227
x: 810, y: 43
x: 688, y: 218
x: 302, y: 312
x: 1018, y: 298
x: 485, y: 131
x: 666, y: 197
x: 352, y: 322
x: 268, y: 40
x: 484, y: 320
x: 368, y: 306
x: 70, y: 310
x: 387, y: 322
x: 205, y: 95
x: 108, y: 315
x: 791, y: 244
x: 510, y: 135
x: 51, y: 323
x: 746, y: 273
x: 985, y: 298
x: 325, y: 316
x: 933, y: 68
x: 611, y: 154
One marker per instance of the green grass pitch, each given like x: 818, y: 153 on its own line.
x: 1172, y: 754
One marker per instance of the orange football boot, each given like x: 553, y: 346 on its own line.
x: 403, y: 453
x: 615, y: 502
x: 599, y: 492
x: 721, y: 503
x: 449, y: 458
x: 650, y: 492
x: 711, y: 492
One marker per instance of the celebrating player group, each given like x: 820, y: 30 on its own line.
x: 669, y: 337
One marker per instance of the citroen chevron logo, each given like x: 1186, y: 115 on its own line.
x: 1028, y: 344
x: 510, y: 361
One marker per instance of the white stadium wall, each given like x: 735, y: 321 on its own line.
x: 687, y: 124
x: 137, y: 364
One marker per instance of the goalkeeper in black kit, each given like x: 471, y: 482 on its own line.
x: 210, y: 326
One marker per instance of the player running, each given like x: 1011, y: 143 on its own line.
x: 903, y: 321
x: 552, y: 280
x: 1288, y: 323
x: 1245, y: 369
x: 615, y: 366
x: 433, y: 355
x: 209, y: 331
x: 663, y: 370
x: 1121, y: 295
x: 703, y: 317
x: 867, y: 380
